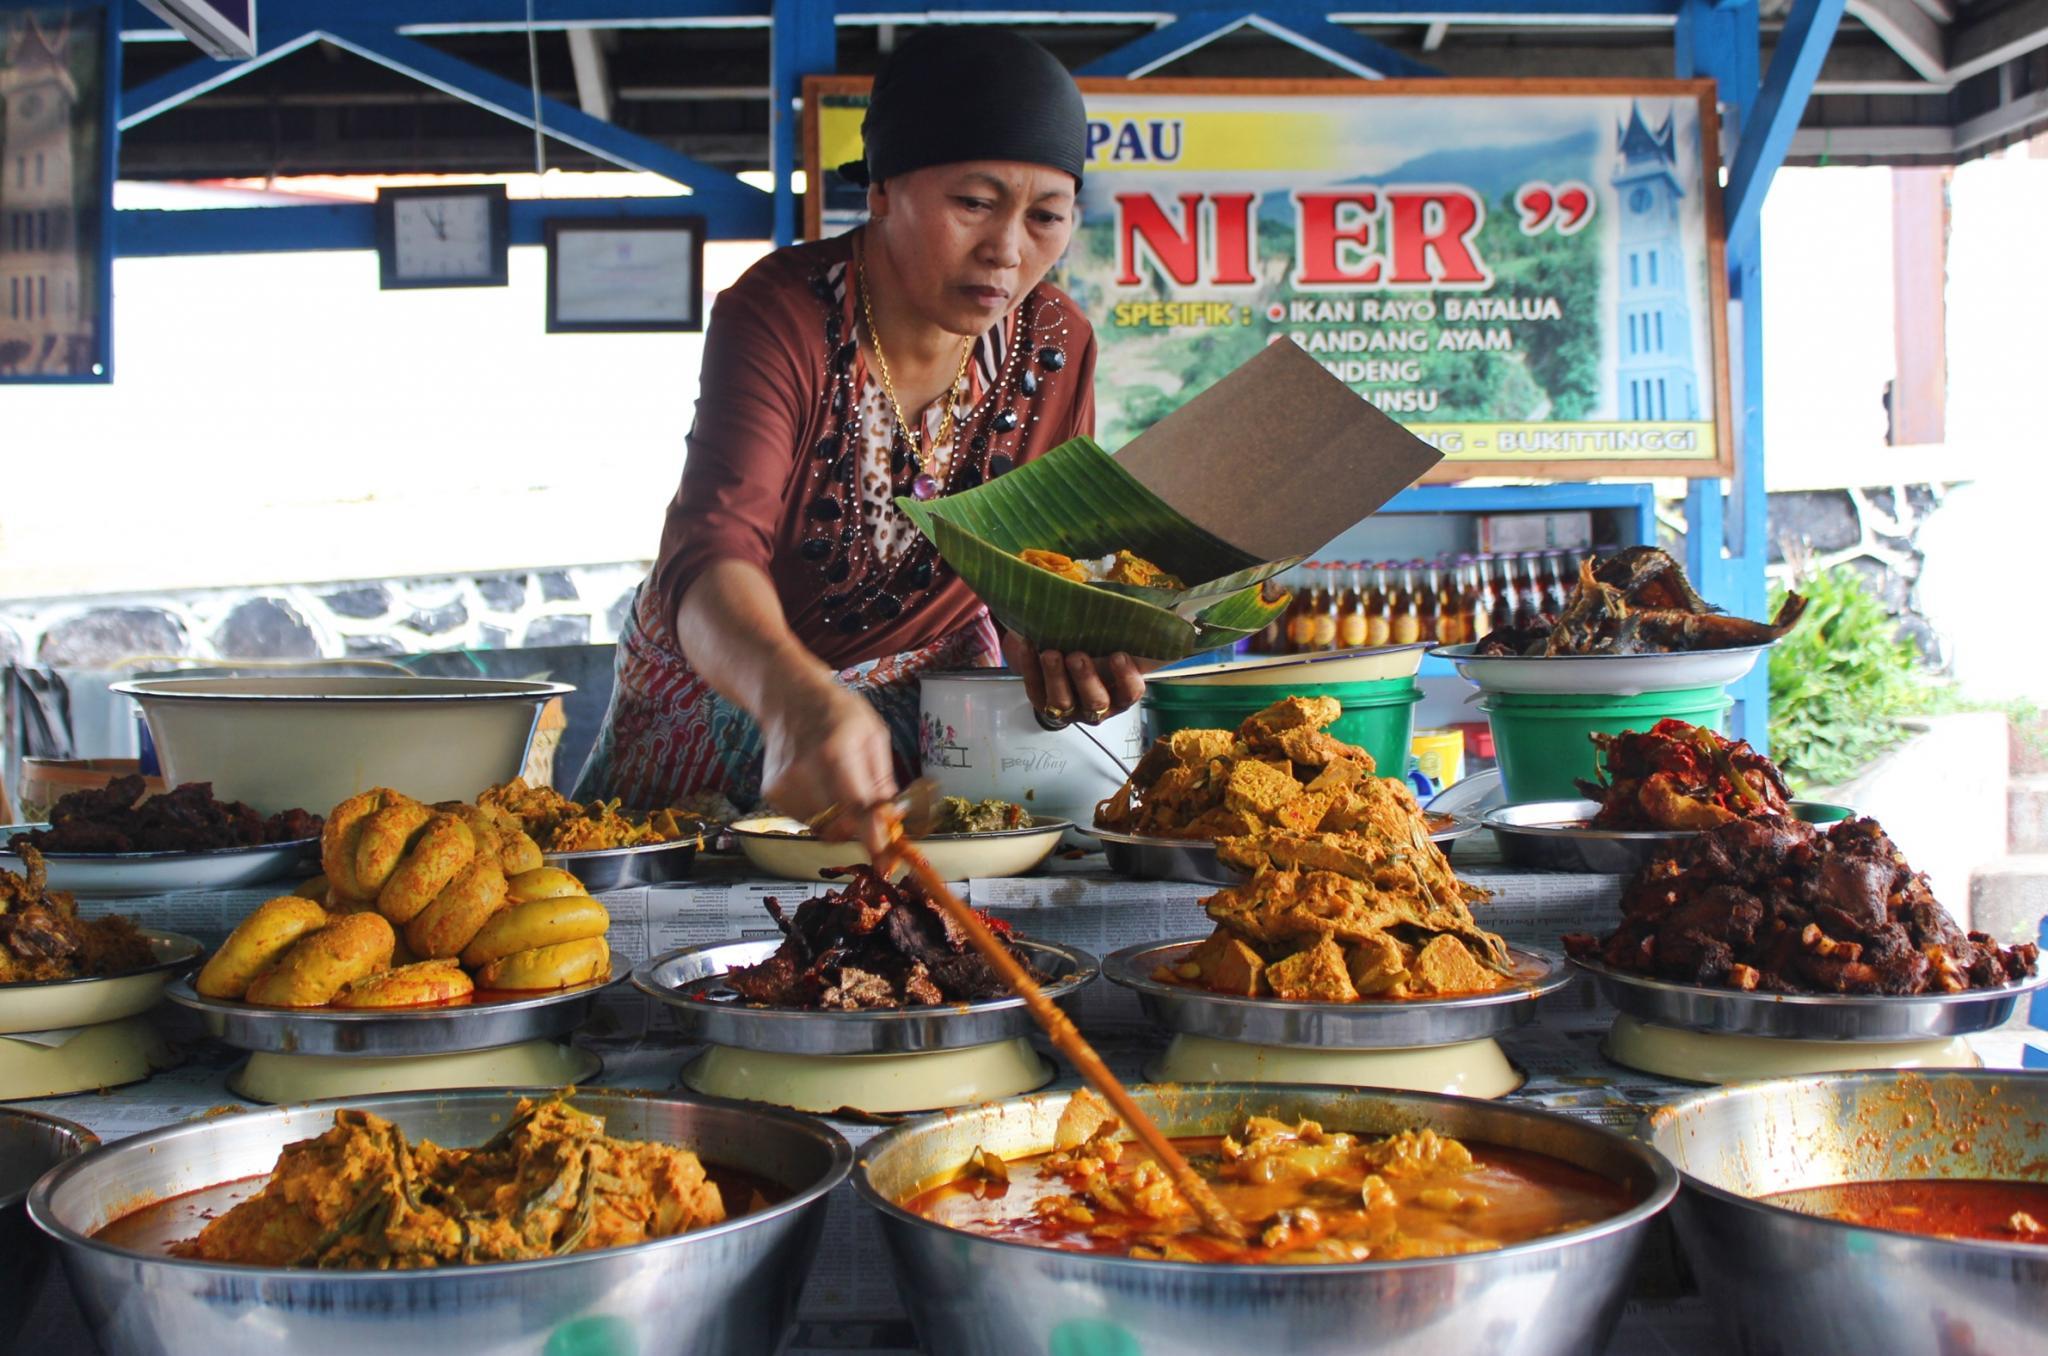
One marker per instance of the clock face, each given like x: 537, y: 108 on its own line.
x: 442, y: 239
x: 1639, y: 201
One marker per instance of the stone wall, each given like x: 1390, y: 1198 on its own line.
x: 1874, y: 531
x: 367, y: 618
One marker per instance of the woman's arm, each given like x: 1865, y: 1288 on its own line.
x: 824, y: 745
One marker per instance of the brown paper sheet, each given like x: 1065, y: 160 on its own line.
x: 1279, y: 457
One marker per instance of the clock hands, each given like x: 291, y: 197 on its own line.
x: 438, y: 219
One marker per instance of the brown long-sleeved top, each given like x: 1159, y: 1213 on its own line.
x: 793, y: 458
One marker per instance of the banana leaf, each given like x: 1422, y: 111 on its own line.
x: 1076, y: 500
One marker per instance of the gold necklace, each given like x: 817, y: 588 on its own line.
x: 923, y: 485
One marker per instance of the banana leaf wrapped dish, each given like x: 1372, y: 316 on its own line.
x: 1024, y: 541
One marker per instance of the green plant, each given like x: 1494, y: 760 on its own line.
x: 1839, y: 681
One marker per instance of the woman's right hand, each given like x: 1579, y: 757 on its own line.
x: 825, y: 746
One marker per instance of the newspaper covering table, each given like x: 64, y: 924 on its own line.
x: 850, y: 1305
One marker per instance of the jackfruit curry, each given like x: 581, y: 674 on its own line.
x: 363, y: 1196
x: 1307, y: 1194
x: 1121, y: 567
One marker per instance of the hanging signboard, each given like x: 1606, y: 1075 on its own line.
x: 57, y: 145
x: 1528, y: 275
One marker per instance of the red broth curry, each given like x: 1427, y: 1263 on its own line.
x: 2000, y: 1212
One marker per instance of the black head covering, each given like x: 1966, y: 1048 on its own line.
x: 953, y: 93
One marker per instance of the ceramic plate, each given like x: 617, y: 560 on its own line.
x: 784, y: 849
x: 105, y: 875
x: 1623, y: 675
x: 58, y: 1003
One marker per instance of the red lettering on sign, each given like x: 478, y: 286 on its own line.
x: 1320, y: 234
x: 1233, y: 239
x: 1439, y: 223
x: 1176, y: 249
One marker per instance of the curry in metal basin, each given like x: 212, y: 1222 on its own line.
x: 364, y: 1196
x: 1306, y: 1194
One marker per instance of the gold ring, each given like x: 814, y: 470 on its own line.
x: 1059, y: 713
x: 1094, y: 715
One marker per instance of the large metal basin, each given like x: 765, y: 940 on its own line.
x: 1784, y: 1282
x: 30, y: 1145
x: 975, y: 1296
x: 730, y: 1289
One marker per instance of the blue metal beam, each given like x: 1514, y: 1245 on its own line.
x: 802, y: 41
x: 1167, y: 43
x: 1802, y: 46
x: 200, y: 76
x: 1340, y: 46
x: 151, y: 234
x: 742, y: 209
x: 481, y: 16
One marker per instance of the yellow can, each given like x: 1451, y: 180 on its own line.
x: 1440, y: 755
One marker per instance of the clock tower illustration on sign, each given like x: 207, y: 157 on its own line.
x: 42, y: 330
x: 1655, y: 380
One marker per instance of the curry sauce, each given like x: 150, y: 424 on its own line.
x: 1305, y: 1194
x: 1999, y: 1212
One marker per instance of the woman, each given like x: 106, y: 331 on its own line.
x: 774, y: 651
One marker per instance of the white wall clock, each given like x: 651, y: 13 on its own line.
x: 455, y: 236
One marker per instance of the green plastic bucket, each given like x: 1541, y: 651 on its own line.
x: 1379, y: 715
x: 1543, y: 740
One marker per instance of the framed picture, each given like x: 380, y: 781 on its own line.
x: 59, y: 70
x: 625, y: 275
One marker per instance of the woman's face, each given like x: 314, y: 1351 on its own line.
x: 966, y: 241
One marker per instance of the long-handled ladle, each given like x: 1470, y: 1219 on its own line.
x: 1215, y: 1218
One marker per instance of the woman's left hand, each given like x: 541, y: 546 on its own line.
x: 1075, y: 686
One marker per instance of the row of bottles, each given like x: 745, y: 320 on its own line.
x: 1446, y: 601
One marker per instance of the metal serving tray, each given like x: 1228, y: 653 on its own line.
x: 1372, y: 1024
x: 690, y: 981
x: 384, y: 1033
x: 1810, y: 1017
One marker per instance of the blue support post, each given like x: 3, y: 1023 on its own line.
x: 1721, y: 42
x: 803, y: 40
x: 745, y: 210
x: 1767, y: 132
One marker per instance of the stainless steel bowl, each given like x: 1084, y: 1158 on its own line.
x: 1782, y: 1281
x: 602, y: 869
x: 30, y: 1145
x: 1810, y: 1016
x: 688, y: 980
x: 383, y: 1033
x: 1385, y: 1024
x: 1551, y: 835
x: 974, y: 1296
x: 731, y: 1288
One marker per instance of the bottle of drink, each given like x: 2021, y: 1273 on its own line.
x: 1501, y: 583
x: 1557, y: 585
x: 1351, y: 625
x: 1450, y: 613
x: 1475, y: 603
x: 1428, y: 592
x: 1328, y: 592
x: 1528, y: 595
x: 1405, y: 623
x: 1378, y: 617
x: 1301, y: 627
